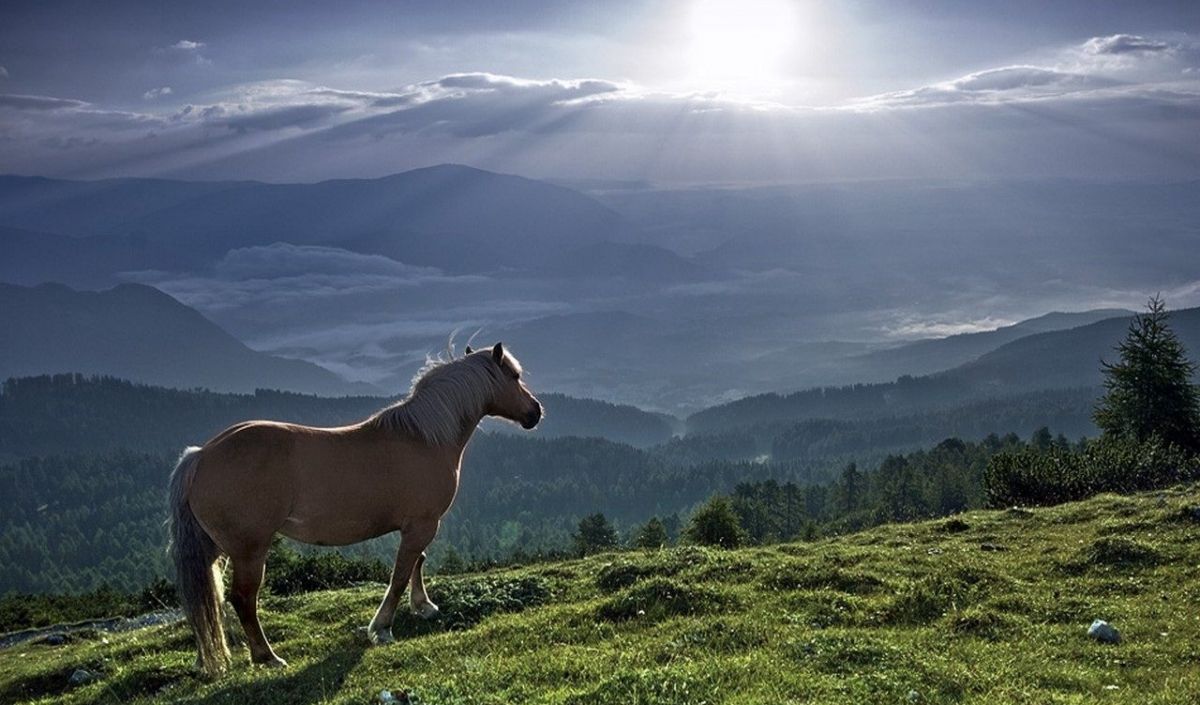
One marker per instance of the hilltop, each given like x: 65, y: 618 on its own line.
x: 988, y: 606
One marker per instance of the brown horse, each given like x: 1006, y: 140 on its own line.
x: 397, y: 470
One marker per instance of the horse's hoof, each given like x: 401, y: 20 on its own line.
x: 426, y: 610
x: 272, y: 661
x: 380, y: 637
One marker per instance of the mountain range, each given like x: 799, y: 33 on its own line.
x: 1057, y: 359
x: 142, y: 334
x: 667, y: 299
x: 449, y: 216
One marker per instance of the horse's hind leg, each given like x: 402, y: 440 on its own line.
x: 247, y: 579
x: 421, y: 605
x: 414, y: 537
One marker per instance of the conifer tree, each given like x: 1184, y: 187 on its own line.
x: 595, y: 534
x: 652, y: 534
x: 1149, y: 392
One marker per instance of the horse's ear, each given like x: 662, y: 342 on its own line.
x: 468, y: 350
x: 498, y: 352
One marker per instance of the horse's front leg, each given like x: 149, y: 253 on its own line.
x: 414, y: 537
x: 419, y: 601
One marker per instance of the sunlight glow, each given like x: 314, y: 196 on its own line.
x: 741, y: 44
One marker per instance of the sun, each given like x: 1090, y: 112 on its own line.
x: 741, y: 44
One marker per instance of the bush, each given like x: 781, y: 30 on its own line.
x: 290, y: 572
x: 1055, y: 475
x: 716, y: 524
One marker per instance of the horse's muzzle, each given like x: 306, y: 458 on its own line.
x: 532, y: 418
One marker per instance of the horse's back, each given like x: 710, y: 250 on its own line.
x: 243, y: 486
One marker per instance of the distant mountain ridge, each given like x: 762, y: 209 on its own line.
x: 455, y: 217
x: 73, y: 413
x: 1066, y: 358
x: 139, y: 333
x: 1060, y: 359
x: 922, y: 357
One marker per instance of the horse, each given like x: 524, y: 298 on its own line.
x: 396, y: 470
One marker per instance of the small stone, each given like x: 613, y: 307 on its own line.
x: 81, y: 676
x: 386, y: 697
x: 914, y: 696
x: 1104, y: 632
x: 56, y: 639
x: 992, y: 547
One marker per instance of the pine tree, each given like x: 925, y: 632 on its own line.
x: 850, y: 489
x: 1149, y: 391
x: 652, y: 534
x: 595, y: 534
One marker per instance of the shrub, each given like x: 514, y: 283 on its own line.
x: 1056, y: 475
x: 716, y: 524
x: 467, y: 602
x: 290, y: 572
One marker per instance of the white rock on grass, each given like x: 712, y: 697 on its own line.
x: 1104, y: 632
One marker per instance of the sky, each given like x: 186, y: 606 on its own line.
x: 682, y: 92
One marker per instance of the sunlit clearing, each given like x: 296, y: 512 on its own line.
x: 741, y: 45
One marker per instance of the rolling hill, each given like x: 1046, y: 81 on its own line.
x: 924, y: 357
x: 991, y: 606
x: 140, y: 333
x: 1062, y: 359
x: 1065, y: 358
x: 72, y: 413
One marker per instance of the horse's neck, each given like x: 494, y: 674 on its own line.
x: 464, y: 436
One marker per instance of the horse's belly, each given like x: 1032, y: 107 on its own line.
x: 334, y: 531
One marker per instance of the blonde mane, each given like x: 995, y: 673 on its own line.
x: 447, y: 395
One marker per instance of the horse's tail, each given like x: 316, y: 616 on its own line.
x: 197, y: 576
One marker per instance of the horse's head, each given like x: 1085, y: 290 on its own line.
x: 512, y: 400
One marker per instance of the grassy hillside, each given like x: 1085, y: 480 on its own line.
x: 992, y: 606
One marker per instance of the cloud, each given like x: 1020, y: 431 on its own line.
x: 301, y: 116
x: 1124, y: 44
x: 3, y: 72
x: 911, y: 328
x: 1079, y: 113
x: 363, y: 315
x: 38, y: 102
x: 286, y: 260
x: 479, y: 104
x: 187, y: 45
x: 284, y: 273
x: 993, y: 85
x: 156, y: 93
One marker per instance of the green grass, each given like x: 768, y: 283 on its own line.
x: 916, y: 613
